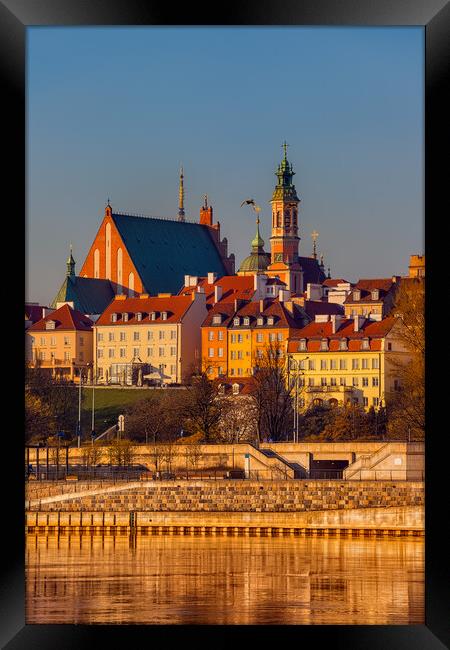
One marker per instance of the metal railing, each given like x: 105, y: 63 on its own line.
x: 133, y: 474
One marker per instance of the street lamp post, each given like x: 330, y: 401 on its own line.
x: 296, y: 410
x: 79, y: 409
x: 93, y: 410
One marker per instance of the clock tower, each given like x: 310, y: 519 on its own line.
x: 285, y: 240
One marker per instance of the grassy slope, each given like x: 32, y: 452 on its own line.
x: 109, y: 404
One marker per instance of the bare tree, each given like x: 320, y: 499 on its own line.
x: 121, y: 452
x: 405, y: 405
x: 238, y: 422
x: 202, y: 409
x: 272, y: 394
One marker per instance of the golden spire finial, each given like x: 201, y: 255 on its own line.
x: 181, y: 197
x: 314, y: 236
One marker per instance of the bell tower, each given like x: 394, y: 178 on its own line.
x: 285, y: 240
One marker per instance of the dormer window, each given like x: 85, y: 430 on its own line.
x: 357, y: 295
x: 324, y: 344
x: 302, y: 345
x: 139, y: 316
x: 270, y: 320
x: 153, y: 315
x: 236, y: 321
x: 246, y: 320
x: 125, y: 317
x: 163, y: 315
x: 365, y: 344
x: 217, y: 319
x: 221, y: 389
x: 235, y: 389
x: 50, y: 325
x: 343, y: 344
x: 375, y: 294
x: 113, y: 317
x: 260, y: 320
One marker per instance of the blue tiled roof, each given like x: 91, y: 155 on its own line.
x: 164, y: 251
x: 89, y: 295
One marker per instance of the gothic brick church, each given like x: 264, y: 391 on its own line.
x: 152, y: 255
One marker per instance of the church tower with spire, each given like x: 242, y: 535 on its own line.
x: 181, y: 197
x: 285, y: 239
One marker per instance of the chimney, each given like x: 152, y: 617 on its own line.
x: 212, y: 277
x: 259, y: 285
x: 236, y: 304
x: 193, y: 280
x: 217, y: 292
x: 261, y: 305
x: 313, y: 291
x: 336, y: 320
x: 186, y: 280
x: 321, y: 318
x: 358, y: 322
x: 284, y: 295
x: 396, y: 278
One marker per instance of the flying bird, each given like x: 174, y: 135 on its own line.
x: 252, y: 203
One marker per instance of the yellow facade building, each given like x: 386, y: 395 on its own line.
x: 335, y: 360
x: 256, y: 327
x: 62, y: 344
x: 155, y: 339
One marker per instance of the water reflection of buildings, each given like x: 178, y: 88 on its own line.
x: 223, y: 580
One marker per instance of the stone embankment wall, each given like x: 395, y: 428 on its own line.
x: 229, y: 496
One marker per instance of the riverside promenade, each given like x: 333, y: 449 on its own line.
x: 229, y: 506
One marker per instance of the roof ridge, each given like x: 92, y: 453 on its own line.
x: 145, y: 216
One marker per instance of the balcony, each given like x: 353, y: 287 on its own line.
x: 329, y: 389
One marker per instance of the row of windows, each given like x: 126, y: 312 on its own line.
x: 122, y: 336
x: 219, y: 353
x: 42, y: 355
x: 319, y: 402
x: 333, y: 381
x: 162, y: 352
x: 333, y: 364
x: 139, y: 316
x: 52, y: 340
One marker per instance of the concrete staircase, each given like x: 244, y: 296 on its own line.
x: 370, y: 461
x: 277, y: 464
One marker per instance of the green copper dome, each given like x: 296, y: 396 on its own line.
x: 258, y: 260
x: 255, y: 262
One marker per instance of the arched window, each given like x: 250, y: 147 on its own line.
x: 131, y: 285
x: 108, y: 251
x: 119, y: 269
x: 96, y: 263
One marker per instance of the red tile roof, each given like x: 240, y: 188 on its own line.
x: 314, y: 332
x: 65, y: 318
x: 314, y: 307
x: 273, y: 307
x: 384, y: 286
x: 226, y: 309
x: 333, y: 282
x: 174, y: 306
x: 233, y: 286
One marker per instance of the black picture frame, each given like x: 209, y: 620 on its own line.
x: 434, y: 16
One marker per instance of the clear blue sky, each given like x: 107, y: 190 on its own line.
x: 113, y: 112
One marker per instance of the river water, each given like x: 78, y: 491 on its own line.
x: 170, y: 579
